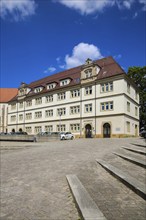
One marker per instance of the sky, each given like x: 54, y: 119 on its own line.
x: 43, y: 37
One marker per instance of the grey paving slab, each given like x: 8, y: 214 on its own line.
x: 89, y: 210
x: 141, y: 163
x: 135, y: 185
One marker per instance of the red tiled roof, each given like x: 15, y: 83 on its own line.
x: 6, y: 94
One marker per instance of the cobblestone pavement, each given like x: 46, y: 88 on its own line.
x: 34, y: 186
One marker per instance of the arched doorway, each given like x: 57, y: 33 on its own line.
x: 88, y: 131
x: 106, y: 130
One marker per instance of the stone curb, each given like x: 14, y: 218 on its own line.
x: 132, y: 159
x: 129, y: 181
x: 86, y: 205
x: 135, y: 150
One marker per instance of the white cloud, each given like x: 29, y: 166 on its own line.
x: 18, y: 9
x: 124, y: 3
x: 50, y: 69
x: 135, y: 15
x: 119, y: 56
x: 80, y: 53
x: 143, y: 2
x: 86, y: 6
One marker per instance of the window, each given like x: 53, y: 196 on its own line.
x: 128, y: 126
x: 49, y: 128
x: 21, y: 105
x: 13, y: 106
x: 75, y: 93
x: 64, y: 82
x: 38, y: 101
x: 107, y: 87
x: 20, y: 117
x: 13, y: 118
x: 136, y: 95
x: 128, y: 88
x: 74, y: 109
x: 28, y: 130
x: 88, y: 108
x: 38, y: 114
x: 128, y: 106
x: 49, y: 113
x: 38, y: 89
x: 37, y: 129
x: 28, y: 116
x: 28, y: 103
x: 61, y: 111
x: 61, y: 128
x: 75, y: 127
x: 51, y: 86
x: 106, y: 106
x: 61, y: 96
x: 49, y: 98
x: 88, y: 73
x: 136, y: 111
x: 88, y: 90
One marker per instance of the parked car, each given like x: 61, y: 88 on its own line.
x: 66, y: 136
x: 44, y: 133
x: 143, y: 133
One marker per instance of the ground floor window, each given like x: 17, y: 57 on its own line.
x: 38, y: 129
x: 128, y: 126
x: 61, y: 128
x: 28, y: 130
x: 75, y: 127
x: 49, y: 128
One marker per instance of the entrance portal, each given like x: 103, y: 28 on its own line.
x: 106, y: 130
x: 88, y: 131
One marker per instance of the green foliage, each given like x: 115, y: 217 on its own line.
x: 138, y: 75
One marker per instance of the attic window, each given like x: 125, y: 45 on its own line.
x: 38, y: 89
x: 64, y: 82
x: 51, y: 86
x: 88, y: 73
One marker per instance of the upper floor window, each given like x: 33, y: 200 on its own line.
x: 28, y: 103
x: 28, y: 116
x: 88, y: 90
x: 38, y: 101
x: 49, y: 113
x: 61, y: 111
x: 21, y: 105
x: 13, y: 106
x: 61, y: 96
x: 49, y: 98
x: 75, y: 93
x: 107, y: 87
x: 136, y: 111
x: 38, y: 114
x: 64, y: 82
x: 51, y: 85
x: 38, y: 89
x: 105, y: 106
x: 75, y: 109
x: 13, y: 118
x: 20, y: 117
x: 136, y: 95
x: 88, y: 73
x: 128, y: 106
x: 88, y: 108
x: 128, y: 88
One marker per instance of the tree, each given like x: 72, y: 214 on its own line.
x: 138, y: 75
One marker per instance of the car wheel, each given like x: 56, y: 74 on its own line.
x: 72, y: 138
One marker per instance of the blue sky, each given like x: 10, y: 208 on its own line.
x: 43, y: 37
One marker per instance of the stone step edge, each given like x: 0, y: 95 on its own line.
x: 87, y: 207
x: 135, y: 150
x: 132, y: 183
x: 132, y: 159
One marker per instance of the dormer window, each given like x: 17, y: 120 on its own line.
x: 51, y: 86
x: 38, y: 89
x: 88, y: 73
x: 64, y: 82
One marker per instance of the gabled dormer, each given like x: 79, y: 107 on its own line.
x: 23, y: 90
x: 65, y: 82
x: 89, y: 71
x: 51, y: 85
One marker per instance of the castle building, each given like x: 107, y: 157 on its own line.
x: 96, y: 99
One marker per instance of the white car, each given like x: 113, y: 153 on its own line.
x: 66, y: 136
